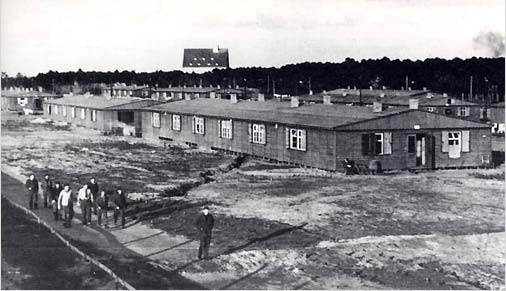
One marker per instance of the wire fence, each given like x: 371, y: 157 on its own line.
x: 118, y: 280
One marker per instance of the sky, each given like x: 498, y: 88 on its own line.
x: 149, y: 35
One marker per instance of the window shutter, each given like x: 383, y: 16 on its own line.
x: 193, y: 124
x: 303, y: 140
x: 231, y: 129
x: 250, y: 132
x: 444, y: 142
x: 219, y: 128
x: 365, y: 144
x: 387, y: 143
x: 287, y: 137
x: 203, y: 126
x: 465, y: 141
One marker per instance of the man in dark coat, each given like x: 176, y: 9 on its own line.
x: 53, y: 198
x: 47, y: 186
x: 205, y: 224
x: 32, y: 185
x: 102, y: 202
x: 120, y: 205
x: 93, y: 186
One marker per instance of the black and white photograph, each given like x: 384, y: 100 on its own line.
x: 252, y: 145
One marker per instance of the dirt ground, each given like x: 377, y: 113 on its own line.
x: 283, y: 227
x: 42, y: 263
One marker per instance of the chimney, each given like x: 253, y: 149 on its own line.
x: 354, y: 87
x: 39, y: 88
x: 382, y: 95
x: 348, y: 87
x: 237, y: 86
x: 212, y: 95
x: 383, y: 87
x: 377, y: 107
x: 445, y: 95
x: 310, y: 92
x: 261, y: 97
x: 211, y: 86
x: 424, y: 88
x: 233, y: 98
x: 294, y: 102
x: 413, y: 103
x: 409, y: 88
x: 370, y: 88
x: 170, y: 85
x: 218, y: 86
x: 326, y: 100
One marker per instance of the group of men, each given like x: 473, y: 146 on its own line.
x: 90, y: 199
x: 93, y: 200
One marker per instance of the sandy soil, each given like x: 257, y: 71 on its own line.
x: 283, y: 227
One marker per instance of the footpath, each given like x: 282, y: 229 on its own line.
x: 131, y: 253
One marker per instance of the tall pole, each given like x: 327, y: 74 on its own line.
x: 471, y: 88
x: 268, y: 88
x: 407, y: 82
x: 309, y: 85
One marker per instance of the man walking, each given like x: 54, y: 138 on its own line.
x: 65, y: 203
x: 120, y: 204
x: 93, y: 186
x: 84, y: 200
x: 101, y: 203
x: 205, y: 224
x: 32, y: 185
x: 53, y: 197
x: 47, y: 186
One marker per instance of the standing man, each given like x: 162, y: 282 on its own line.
x: 101, y: 203
x: 32, y: 185
x: 93, y: 186
x: 205, y: 224
x: 120, y: 204
x: 65, y: 203
x: 84, y: 199
x: 53, y: 197
x: 47, y: 186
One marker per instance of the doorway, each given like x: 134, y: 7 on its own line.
x: 420, y: 150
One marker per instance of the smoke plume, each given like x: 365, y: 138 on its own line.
x: 491, y: 42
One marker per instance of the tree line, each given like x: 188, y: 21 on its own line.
x: 440, y: 75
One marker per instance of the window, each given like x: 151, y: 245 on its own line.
x: 83, y: 113
x: 73, y: 112
x: 64, y: 110
x: 448, y: 111
x: 485, y: 159
x: 176, y: 122
x: 296, y: 139
x: 226, y: 129
x: 56, y: 109
x: 198, y: 125
x: 48, y: 109
x: 212, y: 59
x: 22, y: 101
x: 257, y: 133
x: 377, y: 143
x: 155, y: 119
x: 411, y: 144
x: 463, y: 111
x: 453, y: 138
x: 93, y: 115
x: 197, y: 95
x: 430, y: 109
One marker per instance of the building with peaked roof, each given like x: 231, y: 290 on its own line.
x: 201, y: 60
x: 196, y: 92
x: 322, y: 135
x: 120, y: 90
x: 426, y: 100
x: 25, y: 100
x: 99, y: 112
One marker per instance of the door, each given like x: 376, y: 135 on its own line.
x: 38, y: 104
x: 420, y: 151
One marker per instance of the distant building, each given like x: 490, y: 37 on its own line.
x: 121, y: 90
x: 200, y: 60
x: 17, y: 99
x: 98, y: 112
x: 196, y: 92
x: 322, y: 135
